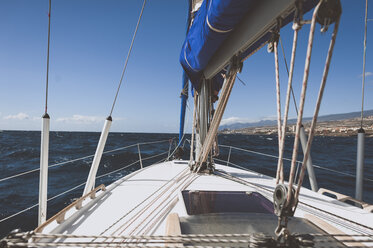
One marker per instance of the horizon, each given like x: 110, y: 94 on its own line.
x: 187, y: 133
x: 89, y: 45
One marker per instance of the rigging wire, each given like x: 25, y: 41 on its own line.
x: 128, y: 55
x: 47, y: 77
x: 364, y: 59
x: 239, y: 79
x: 287, y: 69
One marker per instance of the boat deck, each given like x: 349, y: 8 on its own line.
x: 139, y: 203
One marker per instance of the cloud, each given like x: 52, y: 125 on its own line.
x: 367, y: 74
x: 231, y: 120
x: 81, y: 119
x: 269, y: 118
x: 19, y: 116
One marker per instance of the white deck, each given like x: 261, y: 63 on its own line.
x: 139, y: 203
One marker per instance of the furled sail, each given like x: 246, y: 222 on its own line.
x: 216, y: 21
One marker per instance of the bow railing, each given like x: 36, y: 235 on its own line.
x: 167, y: 155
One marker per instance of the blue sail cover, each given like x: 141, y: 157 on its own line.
x: 212, y: 24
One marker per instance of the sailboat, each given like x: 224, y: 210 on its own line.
x: 200, y: 202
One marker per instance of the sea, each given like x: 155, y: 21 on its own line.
x: 335, y: 158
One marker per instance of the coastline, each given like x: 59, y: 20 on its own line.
x: 340, y: 128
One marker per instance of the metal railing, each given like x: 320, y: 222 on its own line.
x: 139, y: 161
x: 169, y: 155
x: 82, y: 158
x: 287, y: 159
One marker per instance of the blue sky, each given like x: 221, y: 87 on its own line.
x: 89, y: 42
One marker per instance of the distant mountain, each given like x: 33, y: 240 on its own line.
x: 333, y: 117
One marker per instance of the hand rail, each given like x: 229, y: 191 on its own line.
x: 60, y: 216
x: 82, y: 158
x: 82, y: 184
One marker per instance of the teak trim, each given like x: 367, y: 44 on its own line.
x: 60, y: 216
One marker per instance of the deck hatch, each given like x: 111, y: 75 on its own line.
x: 206, y: 202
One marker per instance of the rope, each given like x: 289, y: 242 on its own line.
x: 47, y: 77
x: 287, y: 70
x: 269, y: 193
x: 319, y: 98
x: 193, y: 128
x: 302, y: 100
x: 91, y: 244
x: 138, y: 205
x: 278, y: 97
x: 169, y: 243
x: 184, y: 91
x: 162, y: 213
x: 23, y: 240
x: 82, y: 158
x: 98, y: 244
x: 226, y: 91
x: 184, y: 174
x: 129, y: 222
x: 185, y: 181
x: 365, y: 51
x: 128, y: 55
x: 280, y: 171
x: 165, y: 237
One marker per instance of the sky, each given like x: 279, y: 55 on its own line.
x: 90, y: 40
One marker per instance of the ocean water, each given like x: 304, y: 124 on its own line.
x: 20, y: 151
